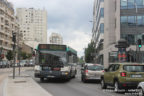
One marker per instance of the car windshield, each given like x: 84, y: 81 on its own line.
x: 134, y: 68
x: 23, y: 61
x: 52, y: 58
x: 95, y: 68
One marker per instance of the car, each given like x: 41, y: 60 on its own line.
x: 141, y: 89
x: 123, y: 76
x: 22, y: 63
x: 4, y: 64
x: 1, y: 64
x: 31, y: 62
x: 91, y: 72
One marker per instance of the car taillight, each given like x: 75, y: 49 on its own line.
x: 123, y: 74
x: 86, y: 71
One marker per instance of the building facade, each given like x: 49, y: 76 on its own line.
x: 123, y: 19
x: 33, y: 25
x: 56, y: 38
x: 8, y: 25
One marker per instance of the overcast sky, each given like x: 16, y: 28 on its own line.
x: 70, y: 18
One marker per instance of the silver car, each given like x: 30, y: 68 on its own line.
x: 92, y: 72
x: 141, y: 89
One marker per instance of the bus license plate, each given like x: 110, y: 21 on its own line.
x: 50, y: 76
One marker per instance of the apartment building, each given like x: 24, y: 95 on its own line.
x: 123, y: 19
x: 8, y: 25
x: 33, y: 25
x: 56, y: 38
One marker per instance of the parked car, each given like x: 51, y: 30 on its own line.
x: 123, y: 76
x: 31, y: 62
x: 22, y: 63
x: 26, y: 63
x: 91, y: 72
x: 1, y: 64
x: 4, y: 64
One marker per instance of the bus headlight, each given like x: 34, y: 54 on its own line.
x: 65, y: 73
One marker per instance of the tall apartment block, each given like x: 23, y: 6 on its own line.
x: 33, y: 25
x: 56, y: 38
x: 8, y: 25
x: 114, y: 20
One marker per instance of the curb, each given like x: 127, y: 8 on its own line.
x: 6, y: 81
x: 41, y: 87
x: 5, y: 87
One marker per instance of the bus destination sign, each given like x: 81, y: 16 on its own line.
x: 52, y: 47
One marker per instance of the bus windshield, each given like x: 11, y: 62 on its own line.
x: 52, y: 58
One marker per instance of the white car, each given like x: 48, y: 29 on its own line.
x: 141, y: 89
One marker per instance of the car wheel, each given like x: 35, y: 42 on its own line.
x: 140, y: 92
x: 103, y: 85
x: 116, y: 86
x: 74, y: 76
x: 42, y: 79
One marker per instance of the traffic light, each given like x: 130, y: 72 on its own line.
x: 14, y: 37
x: 139, y: 43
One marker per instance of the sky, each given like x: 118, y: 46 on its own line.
x: 70, y: 18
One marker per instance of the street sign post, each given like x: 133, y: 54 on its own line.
x: 14, y: 47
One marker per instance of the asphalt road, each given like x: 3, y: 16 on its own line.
x: 75, y: 87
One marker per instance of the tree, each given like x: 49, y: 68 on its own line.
x: 29, y: 55
x: 10, y: 55
x: 25, y: 55
x: 80, y: 60
x: 88, y: 53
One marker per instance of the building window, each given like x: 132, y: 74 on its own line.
x: 123, y: 4
x: 102, y: 28
x: 102, y: 12
x: 139, y: 3
x: 143, y: 21
x: 101, y: 0
x: 123, y: 19
x: 129, y: 37
x: 131, y: 20
x: 139, y: 20
x: 131, y: 4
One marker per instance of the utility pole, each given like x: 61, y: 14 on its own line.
x: 1, y: 49
x: 14, y: 50
x: 19, y: 51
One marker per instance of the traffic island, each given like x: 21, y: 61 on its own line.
x: 23, y: 86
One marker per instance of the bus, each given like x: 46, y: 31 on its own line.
x: 55, y: 61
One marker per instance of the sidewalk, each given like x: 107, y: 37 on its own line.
x: 23, y: 86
